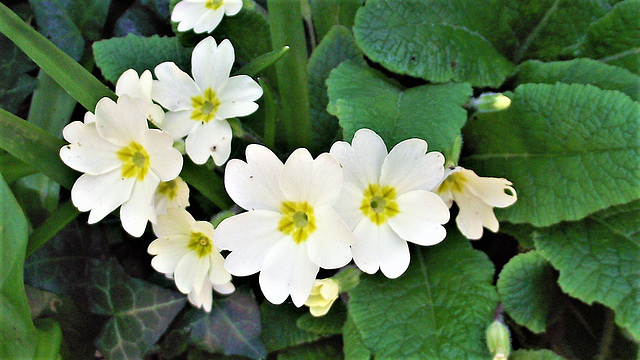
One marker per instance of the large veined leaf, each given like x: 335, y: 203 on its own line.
x: 439, y: 309
x: 534, y: 355
x: 325, y: 350
x: 570, y: 150
x: 615, y: 38
x: 599, y: 260
x: 364, y: 98
x: 580, y: 71
x: 329, y: 324
x: 337, y: 46
x: 528, y: 291
x: 328, y: 13
x: 279, y: 329
x: 438, y: 41
x: 140, y: 312
x: 354, y: 348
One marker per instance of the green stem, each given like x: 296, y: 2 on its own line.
x: 269, y: 115
x: 207, y: 182
x: 287, y: 29
x: 56, y: 222
x: 607, y: 336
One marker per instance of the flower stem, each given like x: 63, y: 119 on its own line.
x: 287, y: 29
x: 56, y: 222
x: 269, y: 115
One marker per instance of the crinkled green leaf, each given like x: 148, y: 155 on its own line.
x: 580, y: 71
x: 140, y: 312
x: 354, y: 347
x: 599, y: 260
x: 534, y: 355
x: 615, y: 38
x: 439, y: 309
x: 528, y: 291
x: 329, y: 324
x: 362, y: 97
x: 279, y: 328
x: 337, y: 46
x: 116, y: 55
x: 438, y: 41
x: 570, y: 150
x: 324, y: 350
x: 328, y: 13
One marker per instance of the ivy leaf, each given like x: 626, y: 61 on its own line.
x: 140, y: 312
x: 615, y: 38
x: 279, y: 328
x: 534, y: 355
x: 362, y: 97
x: 15, y: 84
x: 528, y: 291
x: 439, y: 309
x: 354, y: 347
x: 433, y: 40
x: 116, y: 55
x: 337, y: 46
x: 580, y: 71
x: 570, y: 150
x: 602, y: 251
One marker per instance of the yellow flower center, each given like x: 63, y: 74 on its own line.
x: 135, y: 161
x: 297, y: 220
x: 213, y: 4
x: 205, y: 106
x: 379, y: 203
x: 201, y: 244
x: 454, y: 183
x: 168, y: 189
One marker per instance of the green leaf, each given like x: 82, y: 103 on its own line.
x: 438, y: 41
x: 337, y: 46
x: 209, y: 183
x: 328, y: 13
x: 363, y: 98
x: 615, y: 38
x: 232, y: 327
x: 534, y: 355
x: 13, y: 169
x: 15, y: 84
x: 70, y: 75
x: 569, y: 150
x: 439, y: 309
x: 48, y: 339
x: 140, y: 312
x: 354, y: 347
x: 522, y: 232
x: 116, y: 55
x: 259, y: 64
x: 528, y: 291
x: 551, y: 29
x: 279, y: 329
x: 580, y: 71
x: 324, y: 350
x: 17, y: 339
x: 139, y: 20
x: 602, y: 251
x: 329, y: 324
x: 51, y: 226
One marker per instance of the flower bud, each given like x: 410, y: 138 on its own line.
x: 498, y: 340
x: 491, y: 102
x: 323, y: 294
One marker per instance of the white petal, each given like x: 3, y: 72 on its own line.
x: 187, y: 13
x: 255, y: 184
x: 378, y: 246
x: 435, y: 169
x: 88, y: 152
x: 121, y: 122
x: 89, y: 118
x: 129, y: 84
x: 135, y: 212
x: 210, y: 139
x: 348, y: 206
x: 491, y: 190
x: 217, y: 273
x: 396, y: 255
x: 101, y: 193
x: 202, y: 297
x: 224, y: 289
x: 208, y: 21
x: 326, y: 181
x: 474, y: 214
x: 191, y: 271
x: 370, y: 152
x: 421, y: 215
x: 211, y: 64
x: 407, y: 168
x: 146, y: 84
x: 165, y: 161
x: 155, y: 114
x: 174, y: 88
x: 329, y: 246
x: 177, y: 221
x: 235, y: 109
x: 353, y: 172
x: 232, y: 7
x: 169, y: 252
x: 296, y: 175
x: 240, y: 88
x: 161, y: 202
x: 287, y: 269
x: 178, y: 123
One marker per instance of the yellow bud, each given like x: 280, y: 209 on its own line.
x: 498, y: 340
x: 491, y: 102
x: 323, y: 294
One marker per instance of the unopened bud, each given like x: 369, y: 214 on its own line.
x: 498, y: 340
x: 179, y: 145
x: 323, y: 294
x: 491, y: 102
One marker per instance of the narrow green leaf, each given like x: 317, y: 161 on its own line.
x: 287, y: 30
x: 570, y: 150
x: 259, y: 64
x: 13, y: 169
x: 70, y: 75
x: 50, y: 227
x: 207, y: 182
x: 269, y: 114
x: 328, y: 13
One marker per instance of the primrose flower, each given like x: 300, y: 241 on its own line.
x: 139, y: 88
x: 203, y: 15
x: 185, y: 250
x: 123, y: 161
x: 199, y: 108
x: 476, y: 197
x: 386, y: 200
x: 170, y: 194
x: 323, y: 294
x: 291, y: 228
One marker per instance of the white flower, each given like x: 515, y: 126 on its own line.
x: 170, y: 194
x: 185, y: 250
x: 291, y: 228
x: 140, y: 89
x: 323, y: 294
x: 476, y: 196
x: 203, y: 15
x: 386, y: 200
x: 123, y: 161
x: 199, y: 108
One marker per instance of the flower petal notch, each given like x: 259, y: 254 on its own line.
x: 185, y: 250
x: 386, y: 200
x: 199, y: 107
x: 203, y: 15
x: 123, y: 162
x: 139, y: 88
x: 290, y: 229
x: 476, y: 197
